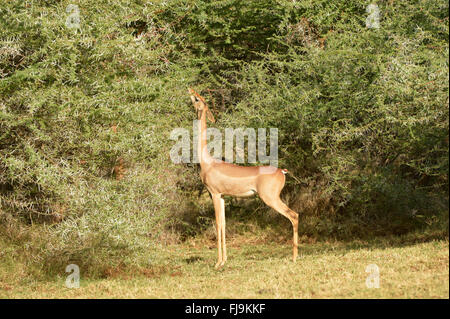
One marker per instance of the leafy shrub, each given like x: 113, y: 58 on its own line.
x: 86, y: 115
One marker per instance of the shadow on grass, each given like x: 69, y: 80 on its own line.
x: 193, y: 259
x: 261, y: 224
x: 283, y: 250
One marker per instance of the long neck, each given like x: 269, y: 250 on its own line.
x: 202, y: 149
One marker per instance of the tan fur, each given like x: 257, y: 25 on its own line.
x: 221, y: 178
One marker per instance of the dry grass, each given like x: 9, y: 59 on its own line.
x: 324, y: 270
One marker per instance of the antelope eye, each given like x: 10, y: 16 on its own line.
x: 196, y: 99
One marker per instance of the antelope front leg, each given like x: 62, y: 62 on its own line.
x: 218, y: 211
x: 224, y: 245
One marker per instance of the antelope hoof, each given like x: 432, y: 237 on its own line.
x: 219, y: 264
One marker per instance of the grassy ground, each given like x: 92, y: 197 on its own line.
x: 259, y: 270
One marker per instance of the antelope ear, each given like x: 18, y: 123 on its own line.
x: 210, y: 116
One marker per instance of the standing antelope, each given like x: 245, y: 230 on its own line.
x: 221, y: 178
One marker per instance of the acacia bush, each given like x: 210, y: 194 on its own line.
x: 86, y: 115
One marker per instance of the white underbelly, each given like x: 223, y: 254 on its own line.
x: 246, y: 194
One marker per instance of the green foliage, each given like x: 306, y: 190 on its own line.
x: 86, y: 115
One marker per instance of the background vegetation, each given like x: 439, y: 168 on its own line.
x: 86, y: 114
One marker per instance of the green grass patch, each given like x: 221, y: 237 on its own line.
x: 329, y: 269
